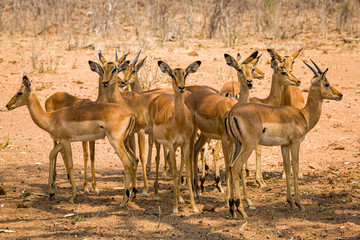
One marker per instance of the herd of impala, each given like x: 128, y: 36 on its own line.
x: 187, y: 117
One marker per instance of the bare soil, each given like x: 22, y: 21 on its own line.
x: 329, y: 156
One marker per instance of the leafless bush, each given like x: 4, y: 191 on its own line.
x: 153, y: 22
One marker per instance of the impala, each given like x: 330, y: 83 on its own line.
x: 282, y: 76
x: 172, y: 125
x: 228, y: 89
x: 138, y: 103
x: 82, y: 123
x: 208, y: 109
x: 253, y: 124
x: 64, y: 99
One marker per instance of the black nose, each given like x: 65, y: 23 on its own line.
x: 7, y: 106
x: 181, y: 89
x: 299, y: 83
x: 105, y: 84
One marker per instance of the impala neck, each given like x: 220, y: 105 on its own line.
x: 179, y: 108
x: 312, y: 109
x: 274, y: 98
x: 37, y: 113
x: 135, y: 86
x: 114, y: 95
x: 101, y: 93
x: 244, y: 92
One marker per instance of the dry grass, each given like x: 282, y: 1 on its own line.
x: 152, y: 22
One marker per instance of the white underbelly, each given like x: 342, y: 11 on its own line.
x: 89, y: 137
x: 273, y: 141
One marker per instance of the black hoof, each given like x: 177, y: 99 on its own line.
x: 52, y: 195
x: 68, y: 176
x: 237, y: 203
x: 182, y: 179
x: 127, y: 193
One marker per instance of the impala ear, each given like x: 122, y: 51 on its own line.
x: 296, y: 54
x: 140, y: 64
x: 122, y: 59
x: 274, y: 54
x: 274, y: 63
x: 164, y: 67
x: 256, y: 61
x: 26, y: 82
x: 123, y: 66
x: 193, y: 67
x: 95, y: 67
x: 231, y: 61
x: 251, y: 57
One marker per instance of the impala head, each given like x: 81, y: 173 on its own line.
x: 245, y: 69
x: 289, y: 60
x: 130, y: 74
x: 178, y: 75
x: 280, y: 71
x: 111, y: 69
x: 21, y: 97
x: 320, y: 82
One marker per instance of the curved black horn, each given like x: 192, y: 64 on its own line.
x: 317, y: 67
x: 137, y: 57
x: 116, y: 56
x: 312, y: 69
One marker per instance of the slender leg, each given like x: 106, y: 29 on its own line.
x: 301, y: 176
x: 247, y: 169
x: 86, y: 159
x: 227, y: 149
x: 157, y: 162
x: 92, y: 159
x: 52, y: 166
x: 54, y: 170
x: 237, y: 169
x: 118, y: 145
x: 258, y: 174
x: 286, y: 162
x: 198, y: 146
x: 150, y: 143
x: 182, y: 164
x: 188, y: 158
x: 69, y: 163
x: 295, y: 147
x: 174, y: 176
x: 141, y: 142
x: 216, y: 163
x: 167, y: 167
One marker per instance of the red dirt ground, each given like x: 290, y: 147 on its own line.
x: 329, y: 156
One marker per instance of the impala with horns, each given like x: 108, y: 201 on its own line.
x: 82, y: 123
x: 137, y: 103
x: 281, y: 77
x: 208, y: 109
x: 253, y: 124
x: 64, y: 99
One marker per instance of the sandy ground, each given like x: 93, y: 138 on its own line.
x: 329, y: 156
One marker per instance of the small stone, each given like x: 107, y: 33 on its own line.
x: 21, y: 205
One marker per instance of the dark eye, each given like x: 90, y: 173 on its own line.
x: 112, y: 71
x: 252, y: 69
x: 240, y: 70
x: 327, y: 85
x: 19, y: 93
x: 133, y: 72
x: 284, y: 73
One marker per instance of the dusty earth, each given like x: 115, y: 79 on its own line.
x: 329, y: 156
